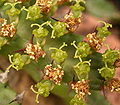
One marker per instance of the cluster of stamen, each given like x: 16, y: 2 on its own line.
x: 114, y: 85
x: 95, y: 42
x: 6, y: 30
x: 34, y: 51
x: 45, y: 5
x: 53, y: 74
x: 72, y: 22
x: 81, y: 88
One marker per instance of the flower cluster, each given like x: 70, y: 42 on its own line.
x: 43, y: 88
x: 114, y: 85
x: 7, y: 30
x: 82, y: 49
x: 72, y: 22
x: 82, y: 69
x: 59, y: 55
x: 96, y: 40
x: 51, y: 77
x: 53, y: 74
x: 81, y: 88
x: 34, y: 12
x: 107, y: 72
x: 77, y: 8
x: 45, y: 5
x: 34, y: 51
x: 41, y: 31
x: 18, y: 61
x: 59, y: 29
x: 46, y: 32
x: 109, y: 58
x: 13, y: 11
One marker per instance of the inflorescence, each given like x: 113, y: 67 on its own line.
x: 54, y: 72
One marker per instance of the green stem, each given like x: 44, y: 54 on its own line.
x: 37, y: 98
x: 23, y: 8
x: 106, y: 64
x: 52, y: 36
x: 47, y: 23
x: 12, y: 4
x: 80, y: 59
x: 33, y: 89
x: 8, y: 68
x: 63, y: 45
x: 74, y: 44
x: 52, y: 48
x: 76, y: 54
x: 15, y: 67
x: 87, y: 62
x: 35, y: 25
x: 10, y: 58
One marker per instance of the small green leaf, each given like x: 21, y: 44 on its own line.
x: 40, y: 32
x: 82, y: 69
x: 59, y: 29
x: 34, y: 12
x: 107, y: 73
x: 110, y: 56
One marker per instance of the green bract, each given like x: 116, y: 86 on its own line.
x: 82, y: 70
x: 110, y: 56
x: 18, y: 61
x: 40, y: 32
x: 103, y: 31
x: 107, y: 73
x: 59, y: 29
x: 76, y: 101
x: 34, y: 12
x: 59, y: 55
x: 77, y: 9
x: 13, y: 11
x: 3, y: 41
x: 82, y: 49
x: 43, y: 88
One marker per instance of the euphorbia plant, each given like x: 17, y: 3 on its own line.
x: 39, y: 42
